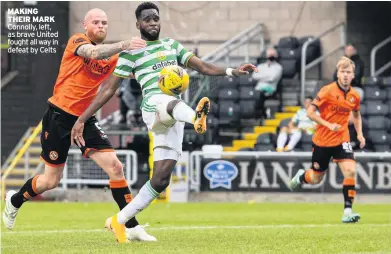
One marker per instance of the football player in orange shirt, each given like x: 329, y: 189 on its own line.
x: 335, y: 103
x: 86, y: 63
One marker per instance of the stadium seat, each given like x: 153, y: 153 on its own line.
x: 228, y: 112
x: 382, y: 148
x: 228, y: 82
x: 247, y: 80
x: 214, y: 108
x: 379, y: 137
x: 284, y: 122
x: 247, y: 109
x: 374, y: 93
x: 376, y: 108
x: 264, y: 148
x: 265, y: 138
x: 306, y: 138
x: 363, y: 109
x: 289, y: 42
x: 388, y: 90
x: 213, y: 94
x: 370, y: 81
x: 289, y: 54
x: 212, y: 122
x: 379, y: 122
x: 248, y: 93
x: 289, y: 68
x: 305, y: 147
x: 387, y: 81
x: 228, y: 94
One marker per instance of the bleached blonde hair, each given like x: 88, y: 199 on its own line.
x: 345, y: 62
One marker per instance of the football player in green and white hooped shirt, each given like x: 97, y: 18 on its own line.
x: 299, y: 123
x: 163, y: 114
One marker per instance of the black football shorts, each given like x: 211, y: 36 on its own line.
x: 56, y: 136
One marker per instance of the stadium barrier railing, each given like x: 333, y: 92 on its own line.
x: 79, y: 171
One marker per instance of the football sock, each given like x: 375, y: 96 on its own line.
x: 295, y: 138
x: 182, y: 112
x: 306, y: 177
x: 281, y: 140
x: 349, y: 192
x: 25, y: 193
x: 145, y: 197
x: 122, y: 196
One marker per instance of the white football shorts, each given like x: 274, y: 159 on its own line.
x: 166, y: 134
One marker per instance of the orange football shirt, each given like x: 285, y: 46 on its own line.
x: 79, y: 78
x: 335, y: 106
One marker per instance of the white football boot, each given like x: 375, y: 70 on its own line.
x: 10, y: 212
x: 138, y: 233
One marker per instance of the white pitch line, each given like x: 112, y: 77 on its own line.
x: 65, y: 231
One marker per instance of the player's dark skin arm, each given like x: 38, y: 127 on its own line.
x: 311, y: 113
x: 102, y: 97
x: 213, y: 70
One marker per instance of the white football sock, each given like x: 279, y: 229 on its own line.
x: 281, y: 140
x: 182, y: 112
x: 145, y: 197
x: 295, y: 138
x: 347, y: 211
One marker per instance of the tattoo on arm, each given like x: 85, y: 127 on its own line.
x: 101, y: 51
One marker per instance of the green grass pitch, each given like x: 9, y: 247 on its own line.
x: 202, y: 228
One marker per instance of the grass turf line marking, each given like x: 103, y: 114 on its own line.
x: 65, y: 231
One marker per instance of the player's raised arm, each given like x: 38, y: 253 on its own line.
x: 102, y: 97
x: 213, y: 70
x: 106, y: 50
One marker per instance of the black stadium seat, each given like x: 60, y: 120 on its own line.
x: 227, y: 81
x: 248, y: 93
x: 374, y: 93
x: 228, y: 112
x: 290, y: 42
x: 288, y: 68
x: 376, y: 108
x: 265, y: 138
x: 264, y: 148
x: 388, y: 91
x: 289, y: 54
x: 247, y: 109
x: 228, y: 94
x: 247, y: 80
x: 379, y: 122
x: 379, y: 137
x: 370, y: 81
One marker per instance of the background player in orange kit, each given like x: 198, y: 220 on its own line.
x: 86, y: 63
x: 335, y: 102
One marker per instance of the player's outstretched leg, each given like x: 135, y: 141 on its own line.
x: 118, y: 230
x: 295, y: 183
x: 110, y: 163
x: 302, y: 176
x: 34, y: 186
x: 10, y: 211
x: 348, y: 168
x: 180, y: 111
x: 165, y: 161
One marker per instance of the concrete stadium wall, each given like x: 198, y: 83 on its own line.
x: 213, y: 22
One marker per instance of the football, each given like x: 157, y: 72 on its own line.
x: 173, y: 80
